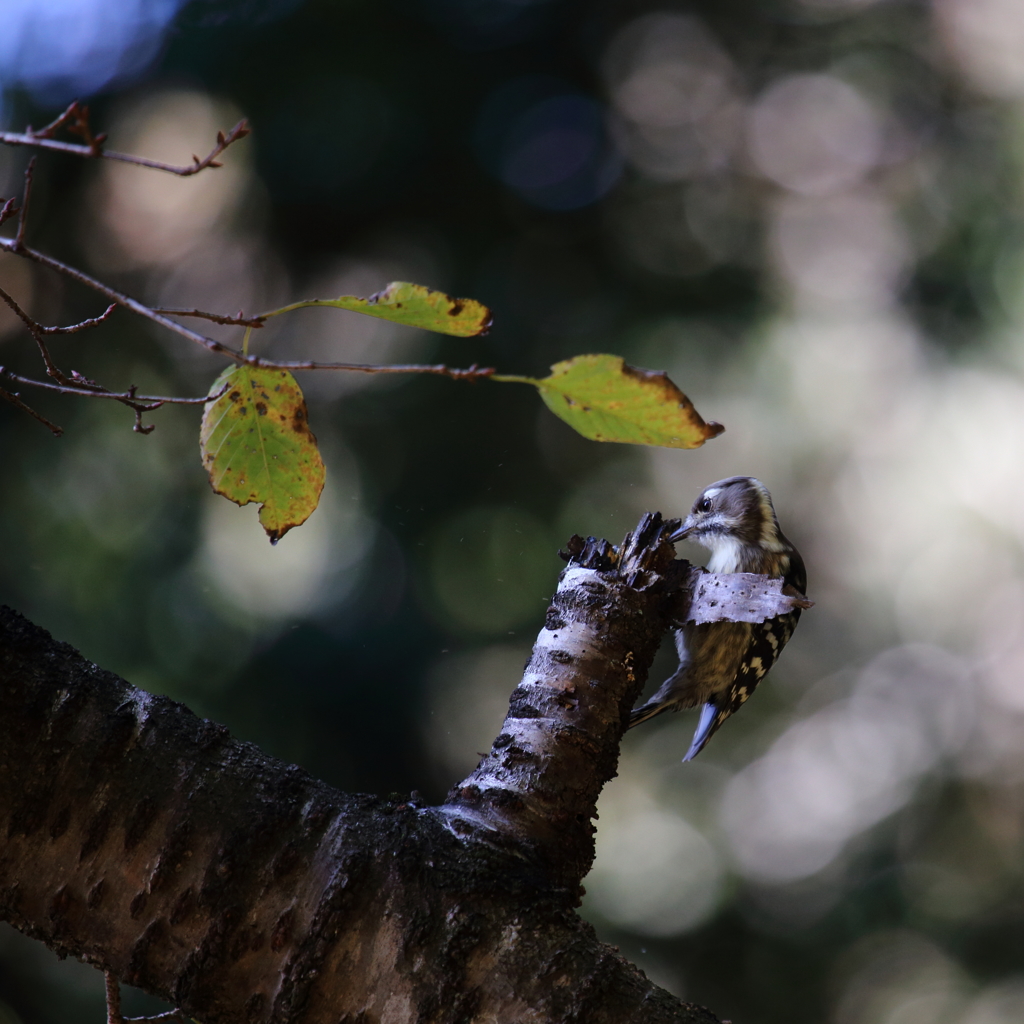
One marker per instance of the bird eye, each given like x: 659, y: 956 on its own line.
x: 704, y: 505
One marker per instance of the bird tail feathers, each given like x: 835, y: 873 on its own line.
x: 710, y: 719
x: 646, y: 711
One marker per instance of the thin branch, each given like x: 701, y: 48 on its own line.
x: 8, y: 396
x: 160, y: 316
x: 37, y: 331
x: 39, y: 142
x: 19, y: 238
x: 76, y: 119
x: 113, y: 999
x: 85, y: 388
x: 119, y: 298
x: 35, y: 326
x: 473, y: 372
x: 160, y: 1018
x: 218, y: 318
x: 76, y: 384
x: 84, y: 325
x: 10, y: 208
x: 115, y: 1016
x: 48, y: 131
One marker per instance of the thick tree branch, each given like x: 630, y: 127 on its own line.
x: 559, y: 744
x: 152, y: 844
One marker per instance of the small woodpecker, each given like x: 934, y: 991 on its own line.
x: 720, y: 663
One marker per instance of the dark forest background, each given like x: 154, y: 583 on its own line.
x: 809, y: 213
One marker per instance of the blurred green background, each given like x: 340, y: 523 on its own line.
x: 809, y: 212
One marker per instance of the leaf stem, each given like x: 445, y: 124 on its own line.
x: 511, y: 378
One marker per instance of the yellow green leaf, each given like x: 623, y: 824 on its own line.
x: 605, y: 399
x: 414, y: 305
x: 257, y: 446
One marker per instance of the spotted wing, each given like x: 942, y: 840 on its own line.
x: 766, y: 642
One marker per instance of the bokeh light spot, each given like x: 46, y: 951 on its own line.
x: 548, y: 145
x: 814, y: 134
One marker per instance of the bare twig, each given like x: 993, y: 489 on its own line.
x: 82, y: 387
x: 78, y: 124
x: 162, y: 317
x: 19, y: 238
x: 48, y: 131
x: 76, y: 384
x: 113, y: 999
x: 138, y: 426
x: 114, y: 1015
x: 10, y: 208
x: 85, y: 388
x: 218, y: 318
x: 76, y: 119
x: 35, y: 326
x: 8, y: 396
x: 119, y: 298
x: 474, y: 372
x: 37, y: 331
x: 84, y: 325
x: 160, y: 1018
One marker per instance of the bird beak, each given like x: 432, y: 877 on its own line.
x: 684, y: 531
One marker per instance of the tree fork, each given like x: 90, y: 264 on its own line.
x: 150, y: 843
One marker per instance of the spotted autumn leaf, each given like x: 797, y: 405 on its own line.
x: 257, y: 446
x: 605, y: 399
x: 414, y: 305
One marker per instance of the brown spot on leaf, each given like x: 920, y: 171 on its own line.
x: 272, y: 453
x: 671, y: 393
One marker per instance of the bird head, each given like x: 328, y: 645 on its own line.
x: 733, y: 512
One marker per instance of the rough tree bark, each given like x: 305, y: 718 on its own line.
x: 146, y: 841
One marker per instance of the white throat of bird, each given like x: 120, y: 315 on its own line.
x: 726, y: 553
